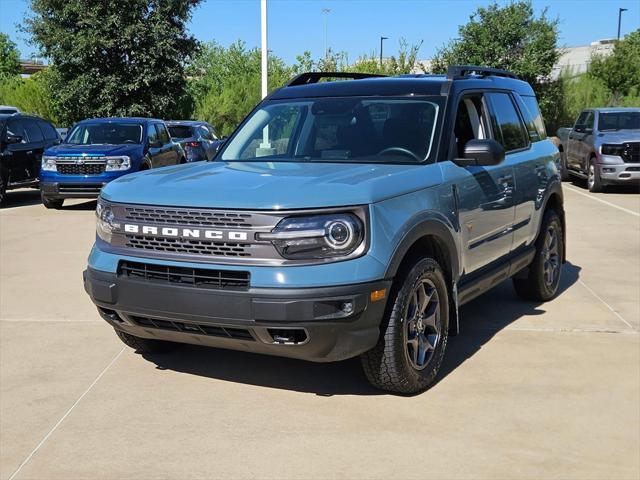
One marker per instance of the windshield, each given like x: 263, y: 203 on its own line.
x: 343, y: 129
x: 105, y: 134
x: 181, y: 131
x: 619, y: 121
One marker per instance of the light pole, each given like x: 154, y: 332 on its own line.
x: 325, y: 13
x: 620, y: 10
x: 382, y: 39
x: 265, y: 146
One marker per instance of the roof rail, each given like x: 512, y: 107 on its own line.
x: 461, y: 71
x: 315, y: 77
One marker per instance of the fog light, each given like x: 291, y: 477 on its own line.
x: 347, y: 308
x: 608, y: 170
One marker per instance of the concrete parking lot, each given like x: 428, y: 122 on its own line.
x: 527, y: 390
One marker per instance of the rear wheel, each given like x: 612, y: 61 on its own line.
x: 145, y: 345
x: 542, y: 278
x: 55, y: 203
x: 414, y: 334
x: 594, y: 183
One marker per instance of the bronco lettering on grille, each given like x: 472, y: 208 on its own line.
x: 185, y: 232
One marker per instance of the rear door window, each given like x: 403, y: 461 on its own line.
x: 33, y: 131
x: 49, y: 132
x: 507, y: 126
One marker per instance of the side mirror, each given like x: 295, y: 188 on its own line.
x: 482, y: 153
x: 11, y: 139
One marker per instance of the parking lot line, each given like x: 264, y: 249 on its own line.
x: 59, y: 422
x: 605, y: 303
x: 636, y: 214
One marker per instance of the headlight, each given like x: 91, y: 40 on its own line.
x: 608, y: 149
x: 115, y: 164
x: 317, y: 236
x: 104, y: 221
x: 49, y: 163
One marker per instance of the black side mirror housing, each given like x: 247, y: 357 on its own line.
x: 11, y: 139
x: 482, y: 153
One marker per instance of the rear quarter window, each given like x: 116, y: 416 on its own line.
x: 534, y: 110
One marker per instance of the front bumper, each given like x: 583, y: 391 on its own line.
x: 297, y: 323
x: 620, y: 173
x: 56, y: 190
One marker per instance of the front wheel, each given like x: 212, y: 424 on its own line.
x: 594, y: 183
x: 413, y: 335
x: 55, y: 203
x: 541, y: 280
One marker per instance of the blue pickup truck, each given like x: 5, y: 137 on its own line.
x: 342, y: 218
x: 99, y: 150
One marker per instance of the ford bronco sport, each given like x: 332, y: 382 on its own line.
x: 342, y: 218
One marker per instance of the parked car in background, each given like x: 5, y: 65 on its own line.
x: 342, y: 218
x: 23, y: 139
x: 99, y: 150
x: 603, y: 147
x: 197, y: 138
x: 8, y: 110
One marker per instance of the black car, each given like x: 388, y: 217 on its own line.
x: 23, y: 139
x: 198, y: 139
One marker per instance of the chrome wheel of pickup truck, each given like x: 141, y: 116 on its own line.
x: 423, y: 324
x: 594, y: 184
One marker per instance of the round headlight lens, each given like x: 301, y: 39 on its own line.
x: 339, y: 233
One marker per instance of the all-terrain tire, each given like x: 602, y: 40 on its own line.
x: 387, y: 366
x: 145, y: 345
x: 3, y: 186
x: 533, y: 284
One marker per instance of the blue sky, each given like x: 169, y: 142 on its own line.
x: 355, y: 26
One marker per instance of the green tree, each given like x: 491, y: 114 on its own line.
x: 620, y: 71
x: 30, y: 95
x: 114, y: 57
x: 225, y: 83
x: 9, y: 57
x: 513, y: 38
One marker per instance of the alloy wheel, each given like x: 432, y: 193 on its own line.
x: 423, y: 324
x: 550, y: 256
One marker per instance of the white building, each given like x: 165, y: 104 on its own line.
x: 573, y: 59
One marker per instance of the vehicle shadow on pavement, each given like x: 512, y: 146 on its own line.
x: 480, y: 321
x: 482, y: 318
x: 21, y: 198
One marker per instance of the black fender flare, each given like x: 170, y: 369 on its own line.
x: 556, y: 189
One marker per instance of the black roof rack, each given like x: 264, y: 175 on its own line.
x: 461, y: 71
x: 315, y: 77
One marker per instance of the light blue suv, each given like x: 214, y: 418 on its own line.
x: 342, y: 218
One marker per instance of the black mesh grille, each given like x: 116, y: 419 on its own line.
x: 181, y: 245
x: 188, y: 217
x: 80, y: 188
x: 197, y: 328
x: 187, y: 276
x: 77, y: 169
x: 631, y: 152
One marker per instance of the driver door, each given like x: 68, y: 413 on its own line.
x: 486, y: 193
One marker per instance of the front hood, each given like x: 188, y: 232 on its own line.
x: 92, y: 150
x: 269, y: 185
x: 620, y: 136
